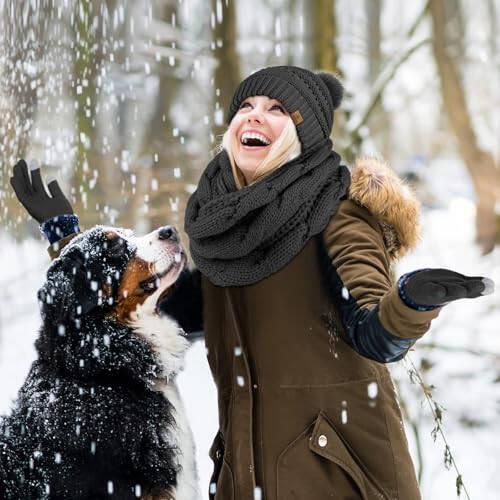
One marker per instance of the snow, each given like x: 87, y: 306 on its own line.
x: 459, y: 355
x: 372, y: 390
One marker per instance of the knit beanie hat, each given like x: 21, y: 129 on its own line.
x: 310, y: 98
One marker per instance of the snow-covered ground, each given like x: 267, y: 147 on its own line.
x: 465, y: 383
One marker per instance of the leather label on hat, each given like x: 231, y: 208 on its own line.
x: 297, y: 117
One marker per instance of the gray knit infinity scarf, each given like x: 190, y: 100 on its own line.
x: 238, y: 237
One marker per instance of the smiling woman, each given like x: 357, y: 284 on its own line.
x: 260, y: 137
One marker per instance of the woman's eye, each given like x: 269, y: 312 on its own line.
x: 274, y: 106
x: 277, y: 106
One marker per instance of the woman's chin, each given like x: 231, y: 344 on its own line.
x: 249, y: 162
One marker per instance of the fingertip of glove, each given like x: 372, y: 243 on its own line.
x: 14, y: 182
x: 34, y: 164
x: 489, y: 286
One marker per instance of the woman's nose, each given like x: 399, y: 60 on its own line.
x: 255, y: 115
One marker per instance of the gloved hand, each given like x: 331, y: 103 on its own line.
x: 34, y: 198
x: 440, y: 286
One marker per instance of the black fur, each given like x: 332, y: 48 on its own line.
x: 87, y: 417
x: 185, y: 303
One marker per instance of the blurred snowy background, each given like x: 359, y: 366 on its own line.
x: 124, y: 102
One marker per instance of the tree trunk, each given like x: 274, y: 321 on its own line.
x: 456, y: 36
x: 87, y: 62
x: 227, y: 73
x: 161, y: 150
x: 373, y: 9
x: 379, y: 122
x: 325, y: 35
x: 492, y: 12
x: 19, y: 93
x: 481, y: 165
x: 325, y: 54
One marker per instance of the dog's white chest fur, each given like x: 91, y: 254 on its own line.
x: 162, y: 333
x: 187, y: 479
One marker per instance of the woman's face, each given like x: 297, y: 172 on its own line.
x: 254, y: 128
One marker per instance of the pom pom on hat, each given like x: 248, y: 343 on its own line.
x: 334, y: 87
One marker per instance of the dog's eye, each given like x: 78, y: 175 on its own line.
x: 149, y: 285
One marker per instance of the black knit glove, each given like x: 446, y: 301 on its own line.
x: 34, y: 198
x: 436, y: 287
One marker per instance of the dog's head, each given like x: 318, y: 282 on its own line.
x: 100, y: 301
x: 112, y: 271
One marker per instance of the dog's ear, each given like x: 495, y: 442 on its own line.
x: 70, y: 290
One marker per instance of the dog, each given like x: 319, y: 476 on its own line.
x: 99, y: 415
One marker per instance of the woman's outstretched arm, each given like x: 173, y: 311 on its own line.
x: 377, y: 322
x: 383, y: 320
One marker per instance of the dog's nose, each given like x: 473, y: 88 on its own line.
x: 168, y: 233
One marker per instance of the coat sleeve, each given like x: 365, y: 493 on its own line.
x: 59, y: 230
x: 184, y: 304
x: 378, y: 324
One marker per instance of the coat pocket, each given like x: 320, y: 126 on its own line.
x: 221, y: 483
x: 318, y: 465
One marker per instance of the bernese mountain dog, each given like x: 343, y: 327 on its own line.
x: 99, y: 415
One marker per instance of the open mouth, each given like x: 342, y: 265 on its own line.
x: 254, y: 140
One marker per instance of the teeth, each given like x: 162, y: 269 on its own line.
x: 254, y: 135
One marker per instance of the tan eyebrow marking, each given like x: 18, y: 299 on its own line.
x: 110, y: 235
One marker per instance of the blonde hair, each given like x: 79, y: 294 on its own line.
x: 285, y: 148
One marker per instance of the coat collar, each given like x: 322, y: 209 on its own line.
x: 377, y: 187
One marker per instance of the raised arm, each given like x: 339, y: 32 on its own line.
x: 59, y: 225
x: 54, y: 213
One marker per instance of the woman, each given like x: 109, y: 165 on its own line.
x: 299, y: 312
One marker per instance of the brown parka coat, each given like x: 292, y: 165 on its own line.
x: 302, y: 415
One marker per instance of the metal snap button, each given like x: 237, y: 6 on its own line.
x: 322, y: 440
x: 218, y: 454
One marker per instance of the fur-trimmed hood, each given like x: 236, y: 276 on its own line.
x: 377, y: 187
